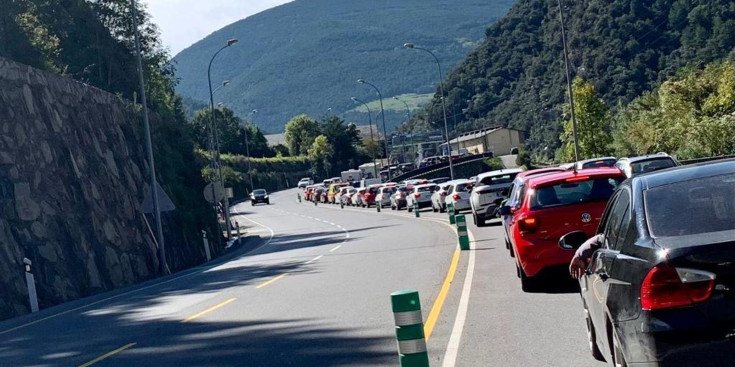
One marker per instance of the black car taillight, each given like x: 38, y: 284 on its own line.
x: 668, y: 287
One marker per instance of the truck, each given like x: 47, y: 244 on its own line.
x: 370, y: 181
x: 351, y: 175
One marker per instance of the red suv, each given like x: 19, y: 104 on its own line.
x: 368, y: 198
x: 550, y: 206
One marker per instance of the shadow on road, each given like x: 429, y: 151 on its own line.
x: 555, y: 280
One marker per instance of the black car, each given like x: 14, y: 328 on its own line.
x: 661, y: 289
x: 259, y: 196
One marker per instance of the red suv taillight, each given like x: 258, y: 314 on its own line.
x: 417, y: 195
x: 455, y: 197
x: 528, y: 224
x: 667, y: 287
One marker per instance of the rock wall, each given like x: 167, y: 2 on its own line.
x: 72, y: 177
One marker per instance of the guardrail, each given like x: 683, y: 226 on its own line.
x: 441, y: 166
x: 706, y: 159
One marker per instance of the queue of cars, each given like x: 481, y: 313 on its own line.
x: 659, y: 284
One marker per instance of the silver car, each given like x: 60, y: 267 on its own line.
x: 491, y: 188
x: 421, y: 194
x: 383, y: 196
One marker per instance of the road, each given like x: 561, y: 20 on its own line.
x: 315, y: 292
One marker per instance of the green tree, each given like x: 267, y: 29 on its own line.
x: 344, y: 138
x: 320, y: 155
x: 231, y: 132
x: 593, y: 124
x: 300, y: 133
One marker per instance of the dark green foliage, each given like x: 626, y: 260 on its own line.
x: 305, y: 56
x: 624, y: 47
x: 232, y: 133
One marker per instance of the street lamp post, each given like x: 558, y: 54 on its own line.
x: 149, y: 149
x: 247, y: 152
x: 212, y: 138
x: 382, y: 112
x: 569, y: 84
x: 370, y: 124
x: 408, y: 118
x: 444, y: 107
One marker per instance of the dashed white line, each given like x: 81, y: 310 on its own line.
x: 450, y: 356
x: 335, y: 248
x: 314, y: 259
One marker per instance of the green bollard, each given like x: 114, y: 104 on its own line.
x: 341, y: 204
x: 409, y: 329
x: 417, y: 209
x: 464, y: 239
x: 298, y: 196
x: 377, y: 206
x: 450, y: 210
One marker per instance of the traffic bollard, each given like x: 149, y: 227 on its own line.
x: 341, y: 204
x: 416, y: 209
x: 238, y: 228
x: 315, y: 202
x: 409, y: 329
x: 450, y: 210
x: 206, y: 246
x: 377, y: 206
x: 298, y: 196
x: 31, y: 283
x: 464, y: 240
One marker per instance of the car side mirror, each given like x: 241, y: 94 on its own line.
x: 573, y: 240
x: 504, y: 210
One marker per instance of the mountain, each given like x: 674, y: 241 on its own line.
x: 623, y: 47
x: 306, y: 56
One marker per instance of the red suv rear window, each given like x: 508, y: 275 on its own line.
x: 570, y: 193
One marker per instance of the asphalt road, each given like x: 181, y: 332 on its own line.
x: 315, y: 292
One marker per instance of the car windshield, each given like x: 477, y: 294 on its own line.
x: 709, y: 204
x: 463, y: 187
x: 570, y: 193
x: 259, y: 192
x: 499, y: 179
x: 654, y: 164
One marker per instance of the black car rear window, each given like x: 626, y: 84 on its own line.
x: 576, y: 192
x: 654, y: 164
x: 708, y: 205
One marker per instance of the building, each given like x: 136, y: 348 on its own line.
x: 498, y: 140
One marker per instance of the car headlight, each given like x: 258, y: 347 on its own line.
x: 265, y: 197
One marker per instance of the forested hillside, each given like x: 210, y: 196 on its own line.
x: 621, y: 47
x: 305, y: 56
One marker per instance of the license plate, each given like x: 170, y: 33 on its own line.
x: 486, y: 199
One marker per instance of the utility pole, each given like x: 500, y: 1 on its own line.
x: 569, y: 84
x: 149, y: 147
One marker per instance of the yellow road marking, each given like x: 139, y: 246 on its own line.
x: 108, y: 354
x: 270, y: 281
x: 209, y: 310
x: 439, y: 301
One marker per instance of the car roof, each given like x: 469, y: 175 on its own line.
x: 645, y: 157
x: 685, y: 173
x: 541, y: 180
x: 535, y: 172
x: 500, y: 172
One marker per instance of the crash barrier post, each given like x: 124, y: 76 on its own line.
x: 464, y: 240
x: 378, y: 205
x: 450, y: 210
x: 416, y: 208
x: 206, y: 246
x: 237, y: 224
x: 341, y: 204
x: 409, y: 329
x: 298, y: 196
x: 31, y: 283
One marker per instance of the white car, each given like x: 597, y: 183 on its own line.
x: 420, y: 194
x: 357, y: 197
x: 305, y: 182
x: 346, y: 197
x: 438, y: 202
x: 458, y: 194
x: 383, y: 196
x: 340, y: 193
x: 491, y: 188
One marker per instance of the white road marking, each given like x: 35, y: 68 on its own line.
x: 450, y: 356
x: 335, y: 248
x: 314, y: 259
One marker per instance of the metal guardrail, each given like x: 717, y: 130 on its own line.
x: 705, y: 159
x: 441, y: 166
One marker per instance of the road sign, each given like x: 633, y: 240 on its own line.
x: 230, y: 193
x: 165, y: 203
x: 219, y: 192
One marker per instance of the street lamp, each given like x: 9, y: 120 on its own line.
x: 370, y: 124
x: 149, y: 148
x: 382, y: 112
x: 408, y: 118
x: 224, y: 84
x: 215, y: 148
x: 569, y: 85
x: 444, y: 107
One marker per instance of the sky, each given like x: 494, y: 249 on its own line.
x: 184, y: 22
